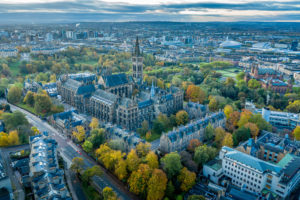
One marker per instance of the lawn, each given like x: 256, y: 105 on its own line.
x: 31, y: 109
x: 89, y: 62
x: 15, y: 68
x: 152, y: 138
x: 230, y: 72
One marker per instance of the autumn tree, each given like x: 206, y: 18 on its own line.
x: 157, y: 185
x: 109, y: 194
x: 245, y: 117
x: 152, y: 160
x: 171, y: 164
x: 227, y: 140
x: 253, y: 84
x: 42, y: 103
x: 219, y: 136
x: 132, y: 161
x: 121, y: 169
x: 13, y: 138
x: 143, y: 149
x: 296, y: 133
x: 91, y: 172
x: 77, y: 164
x: 138, y: 180
x: 213, y: 104
x: 182, y: 117
x: 232, y: 121
x: 195, y: 93
x: 35, y: 130
x: 228, y: 110
x: 14, y: 94
x: 79, y: 134
x: 29, y: 98
x: 253, y: 129
x: 94, y: 123
x: 193, y: 144
x: 187, y: 179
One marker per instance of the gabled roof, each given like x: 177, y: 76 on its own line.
x: 115, y: 80
x: 104, y: 96
x: 72, y: 84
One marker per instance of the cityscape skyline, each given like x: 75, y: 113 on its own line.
x: 66, y: 11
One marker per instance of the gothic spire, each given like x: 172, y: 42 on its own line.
x: 137, y: 47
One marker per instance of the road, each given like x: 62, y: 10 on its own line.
x: 69, y: 151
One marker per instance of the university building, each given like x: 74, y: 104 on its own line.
x: 109, y: 97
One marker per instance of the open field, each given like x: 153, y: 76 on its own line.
x: 15, y: 68
x: 230, y: 72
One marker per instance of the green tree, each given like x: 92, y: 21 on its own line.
x: 203, y: 154
x: 14, y: 120
x: 77, y: 165
x: 14, y: 94
x: 171, y: 164
x: 182, y: 117
x: 241, y: 134
x: 97, y: 137
x: 213, y: 104
x: 91, y: 172
x: 209, y: 132
x: 253, y: 84
x: 170, y: 190
x: 87, y: 146
x: 42, y: 103
x: 240, y: 76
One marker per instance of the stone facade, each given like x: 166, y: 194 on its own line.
x: 178, y: 140
x: 137, y: 63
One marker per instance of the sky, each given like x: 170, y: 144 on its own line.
x: 51, y: 11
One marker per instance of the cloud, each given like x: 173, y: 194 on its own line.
x: 96, y: 10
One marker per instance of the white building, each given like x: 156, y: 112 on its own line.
x: 8, y: 52
x: 258, y: 176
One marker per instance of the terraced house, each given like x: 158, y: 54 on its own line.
x: 178, y: 139
x: 46, y: 177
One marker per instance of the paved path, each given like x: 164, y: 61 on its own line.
x: 69, y: 151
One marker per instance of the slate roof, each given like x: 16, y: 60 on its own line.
x: 104, y: 96
x: 126, y: 102
x: 144, y: 104
x: 115, y: 80
x: 262, y: 71
x: 252, y: 162
x: 72, y: 84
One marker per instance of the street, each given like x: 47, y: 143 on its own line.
x: 69, y: 151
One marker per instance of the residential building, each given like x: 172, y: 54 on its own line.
x: 8, y: 52
x: 6, y: 189
x: 46, y: 177
x: 178, y: 139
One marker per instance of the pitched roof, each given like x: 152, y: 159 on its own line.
x: 115, y: 80
x: 72, y: 84
x: 104, y: 96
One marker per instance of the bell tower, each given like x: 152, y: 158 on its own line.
x: 137, y: 62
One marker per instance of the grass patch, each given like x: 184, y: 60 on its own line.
x: 90, y: 192
x: 15, y: 68
x: 153, y: 137
x: 230, y: 72
x: 89, y: 62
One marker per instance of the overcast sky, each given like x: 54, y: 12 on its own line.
x: 35, y: 11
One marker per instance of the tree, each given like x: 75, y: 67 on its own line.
x: 196, y: 197
x: 187, y: 179
x: 143, y: 149
x: 220, y: 134
x: 138, y: 180
x: 121, y: 169
x: 209, y: 132
x: 152, y: 160
x: 296, y: 133
x: 132, y: 161
x: 171, y: 164
x: 253, y: 129
x: 42, y: 103
x: 229, y: 82
x: 97, y: 137
x: 3, y: 139
x: 109, y: 194
x: 14, y: 94
x: 157, y: 185
x: 240, y: 76
x: 261, y: 123
x: 213, y: 104
x: 182, y: 117
x: 91, y: 172
x: 77, y: 165
x: 193, y: 144
x: 195, y: 93
x: 87, y: 146
x: 245, y: 117
x: 203, y: 154
x: 227, y: 141
x: 294, y: 106
x: 170, y: 190
x: 29, y: 98
x: 228, y: 110
x: 79, y: 134
x: 232, y: 121
x: 145, y: 127
x: 14, y: 120
x: 253, y: 84
x: 13, y: 138
x: 35, y: 130
x: 94, y: 123
x: 241, y: 134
